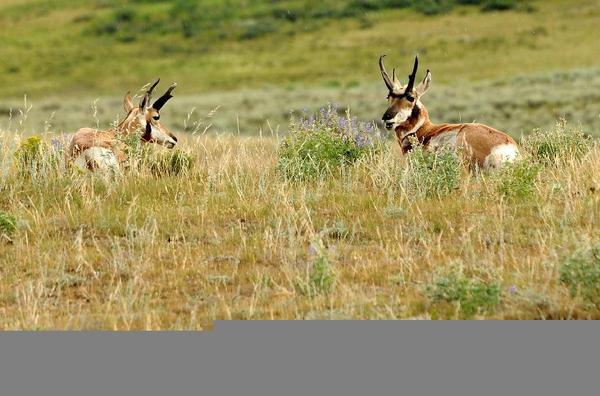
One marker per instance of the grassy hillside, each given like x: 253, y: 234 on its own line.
x: 53, y: 47
x: 516, y: 69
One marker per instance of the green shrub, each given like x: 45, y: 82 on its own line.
x: 8, y: 223
x: 499, y: 5
x: 431, y: 174
x: 580, y: 272
x: 470, y: 296
x: 33, y: 157
x: 560, y: 144
x: 322, y: 276
x: 320, y: 145
x: 517, y: 179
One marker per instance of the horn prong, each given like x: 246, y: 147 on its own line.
x: 412, y: 76
x: 160, y: 102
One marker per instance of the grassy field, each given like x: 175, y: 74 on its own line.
x: 232, y: 237
x: 235, y: 224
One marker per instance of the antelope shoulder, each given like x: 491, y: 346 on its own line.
x: 443, y: 141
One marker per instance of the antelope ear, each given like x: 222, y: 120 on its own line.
x: 424, y: 85
x: 128, y: 102
x: 144, y: 102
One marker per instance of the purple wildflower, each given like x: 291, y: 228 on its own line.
x: 56, y: 144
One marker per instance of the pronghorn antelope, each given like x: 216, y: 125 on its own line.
x: 102, y: 149
x: 481, y: 145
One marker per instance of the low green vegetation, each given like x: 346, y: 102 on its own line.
x: 8, y: 224
x: 558, y: 144
x: 323, y: 144
x: 580, y: 272
x: 468, y: 296
x: 173, y: 162
x: 517, y: 180
x: 432, y: 175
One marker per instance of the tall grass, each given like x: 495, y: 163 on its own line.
x: 230, y: 238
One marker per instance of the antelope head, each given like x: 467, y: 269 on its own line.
x: 402, y: 98
x: 147, y: 117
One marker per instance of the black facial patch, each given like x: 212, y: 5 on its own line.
x: 147, y: 136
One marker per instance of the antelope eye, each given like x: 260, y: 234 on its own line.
x: 156, y: 117
x: 410, y: 98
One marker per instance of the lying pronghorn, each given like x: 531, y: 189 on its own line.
x: 96, y: 149
x: 481, y: 145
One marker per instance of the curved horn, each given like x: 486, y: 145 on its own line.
x: 160, y: 102
x: 386, y: 78
x: 412, y: 76
x: 146, y: 98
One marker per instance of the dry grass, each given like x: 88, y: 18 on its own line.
x: 232, y: 239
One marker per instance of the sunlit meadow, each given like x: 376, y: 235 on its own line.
x: 228, y: 230
x: 275, y: 205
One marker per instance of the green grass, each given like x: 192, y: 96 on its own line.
x: 499, y: 68
x: 49, y: 48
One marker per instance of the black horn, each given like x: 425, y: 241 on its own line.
x: 386, y: 77
x: 412, y: 76
x: 160, y: 102
x: 148, y: 95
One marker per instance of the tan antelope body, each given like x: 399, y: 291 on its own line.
x: 481, y: 145
x: 104, y: 149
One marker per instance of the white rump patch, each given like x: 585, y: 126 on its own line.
x: 98, y: 158
x: 500, y: 155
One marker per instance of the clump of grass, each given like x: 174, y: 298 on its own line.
x: 29, y: 154
x: 431, y: 174
x: 8, y: 223
x: 173, y: 162
x: 469, y: 296
x: 321, y: 277
x: 322, y: 144
x: 560, y: 144
x: 517, y: 180
x: 33, y: 157
x: 158, y: 161
x: 580, y: 272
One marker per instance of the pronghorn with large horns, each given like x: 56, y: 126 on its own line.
x: 481, y: 145
x: 104, y: 149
